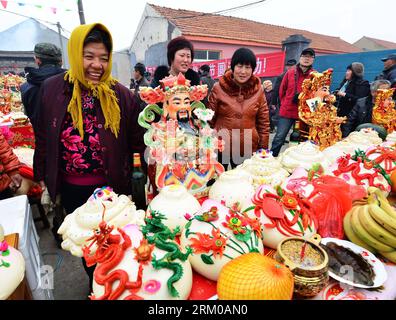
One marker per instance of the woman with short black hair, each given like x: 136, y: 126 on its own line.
x: 239, y: 104
x: 180, y: 55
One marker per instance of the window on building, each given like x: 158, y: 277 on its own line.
x: 205, y: 55
x: 213, y: 55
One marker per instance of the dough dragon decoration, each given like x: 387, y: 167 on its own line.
x: 159, y: 235
x: 108, y: 255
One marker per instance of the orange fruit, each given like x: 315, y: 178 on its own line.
x: 253, y: 276
x: 393, y: 179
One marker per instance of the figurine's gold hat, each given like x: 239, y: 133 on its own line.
x: 317, y: 80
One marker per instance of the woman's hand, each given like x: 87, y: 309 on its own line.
x: 341, y: 94
x: 16, y: 181
x: 42, y: 185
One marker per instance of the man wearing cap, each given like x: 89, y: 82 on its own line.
x: 48, y: 58
x: 138, y: 81
x: 289, y: 90
x: 389, y: 72
x: 275, y: 102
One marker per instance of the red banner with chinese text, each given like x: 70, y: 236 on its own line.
x: 268, y: 65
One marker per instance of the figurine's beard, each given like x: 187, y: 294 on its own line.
x: 182, y: 116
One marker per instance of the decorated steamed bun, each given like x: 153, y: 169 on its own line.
x: 218, y: 234
x: 12, y: 268
x: 303, y: 155
x: 341, y: 148
x: 391, y: 139
x: 149, y: 265
x: 264, y: 169
x: 282, y: 214
x: 174, y: 202
x: 356, y: 170
x: 233, y: 187
x: 364, y: 138
x: 104, y: 204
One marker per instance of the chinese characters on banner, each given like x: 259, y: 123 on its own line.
x: 268, y: 65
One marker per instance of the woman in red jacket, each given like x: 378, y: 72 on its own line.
x: 10, y: 180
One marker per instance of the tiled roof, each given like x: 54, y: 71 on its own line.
x: 383, y: 43
x: 206, y: 25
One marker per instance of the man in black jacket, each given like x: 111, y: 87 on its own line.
x: 48, y: 57
x: 204, y: 74
x: 363, y: 109
x: 139, y: 80
x: 389, y: 72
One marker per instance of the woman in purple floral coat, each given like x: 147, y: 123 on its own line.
x: 87, y: 131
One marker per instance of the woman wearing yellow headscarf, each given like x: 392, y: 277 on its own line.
x: 87, y: 128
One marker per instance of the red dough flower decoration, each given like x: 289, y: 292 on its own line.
x: 150, y: 95
x: 289, y: 201
x: 197, y: 93
x: 235, y: 223
x: 211, y: 215
x: 206, y: 243
x: 254, y: 223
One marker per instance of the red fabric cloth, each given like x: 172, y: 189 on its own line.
x: 202, y: 288
x: 22, y: 136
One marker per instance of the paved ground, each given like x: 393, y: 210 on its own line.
x: 70, y: 279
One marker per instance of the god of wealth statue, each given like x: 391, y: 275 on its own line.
x: 181, y: 144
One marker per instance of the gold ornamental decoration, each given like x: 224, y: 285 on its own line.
x: 316, y: 108
x: 384, y: 112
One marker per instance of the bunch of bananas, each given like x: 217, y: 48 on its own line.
x: 371, y: 224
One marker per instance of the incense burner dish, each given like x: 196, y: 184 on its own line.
x: 309, y: 278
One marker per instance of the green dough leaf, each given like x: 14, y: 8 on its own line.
x: 206, y: 259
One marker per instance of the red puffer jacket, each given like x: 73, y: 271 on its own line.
x: 9, y: 163
x: 287, y: 90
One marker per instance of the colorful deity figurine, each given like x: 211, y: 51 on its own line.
x: 182, y: 146
x: 316, y: 109
x: 384, y: 112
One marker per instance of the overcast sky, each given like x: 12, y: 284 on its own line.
x: 347, y: 19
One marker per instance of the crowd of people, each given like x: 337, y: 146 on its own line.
x: 86, y: 122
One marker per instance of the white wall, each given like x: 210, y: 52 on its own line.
x: 152, y: 29
x: 122, y: 69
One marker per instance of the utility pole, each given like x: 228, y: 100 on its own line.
x: 81, y: 11
x: 64, y: 62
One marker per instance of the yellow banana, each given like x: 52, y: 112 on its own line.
x: 360, y: 202
x: 391, y: 256
x: 391, y: 230
x: 381, y: 216
x: 351, y: 234
x: 385, y: 205
x: 376, y: 230
x: 364, y: 235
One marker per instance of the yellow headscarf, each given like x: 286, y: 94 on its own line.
x: 102, y: 91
